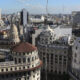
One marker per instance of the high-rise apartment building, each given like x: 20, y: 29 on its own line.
x: 24, y: 22
x: 24, y: 17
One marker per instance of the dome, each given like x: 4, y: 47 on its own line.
x: 24, y: 47
x: 14, y: 28
x: 14, y: 34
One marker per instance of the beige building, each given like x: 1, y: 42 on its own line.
x: 53, y: 52
x: 14, y: 37
x: 24, y: 63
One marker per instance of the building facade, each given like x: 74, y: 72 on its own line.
x: 14, y: 37
x: 76, y: 19
x: 23, y: 63
x: 54, y: 53
x: 75, y: 66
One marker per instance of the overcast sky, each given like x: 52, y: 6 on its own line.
x: 39, y: 6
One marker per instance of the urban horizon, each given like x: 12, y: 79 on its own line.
x: 39, y: 7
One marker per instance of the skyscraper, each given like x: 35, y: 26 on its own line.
x: 24, y: 17
x: 24, y: 21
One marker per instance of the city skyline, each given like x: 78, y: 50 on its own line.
x: 36, y: 6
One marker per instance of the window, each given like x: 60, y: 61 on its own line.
x: 15, y: 68
x: 11, y: 69
x: 28, y: 66
x: 33, y: 76
x: 37, y: 73
x: 24, y: 67
x: 32, y: 65
x: 37, y: 78
x: 56, y: 56
x: 43, y: 53
x: 15, y: 61
x: 19, y: 60
x: 28, y: 59
x: 2, y: 70
x: 24, y: 60
x: 23, y: 53
x: 6, y: 69
x: 75, y: 55
x: 64, y: 62
x: 28, y: 73
x: 60, y: 58
x: 32, y: 58
x: 28, y: 77
x: 64, y: 59
x: 20, y: 68
x: 75, y: 60
x: 64, y: 56
x: 56, y: 62
x: 64, y: 51
x: 76, y: 47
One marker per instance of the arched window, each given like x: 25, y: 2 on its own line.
x: 24, y: 60
x: 32, y: 58
x: 15, y: 61
x: 19, y: 60
x: 28, y: 59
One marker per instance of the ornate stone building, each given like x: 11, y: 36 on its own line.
x: 23, y: 63
x: 75, y: 66
x: 14, y: 34
x: 54, y: 54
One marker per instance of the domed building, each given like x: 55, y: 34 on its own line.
x: 53, y: 52
x: 14, y: 34
x: 24, y: 65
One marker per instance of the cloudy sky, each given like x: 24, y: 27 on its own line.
x: 39, y: 6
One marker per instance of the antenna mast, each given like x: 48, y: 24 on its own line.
x: 47, y: 7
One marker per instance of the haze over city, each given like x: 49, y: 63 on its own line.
x: 39, y: 6
x: 40, y: 40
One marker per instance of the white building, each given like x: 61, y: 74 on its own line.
x: 53, y: 52
x: 24, y: 64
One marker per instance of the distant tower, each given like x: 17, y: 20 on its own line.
x: 24, y: 22
x: 24, y: 17
x: 14, y: 34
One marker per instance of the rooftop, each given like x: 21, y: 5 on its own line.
x: 23, y: 47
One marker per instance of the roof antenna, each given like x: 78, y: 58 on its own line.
x: 45, y: 22
x: 47, y: 7
x: 63, y: 8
